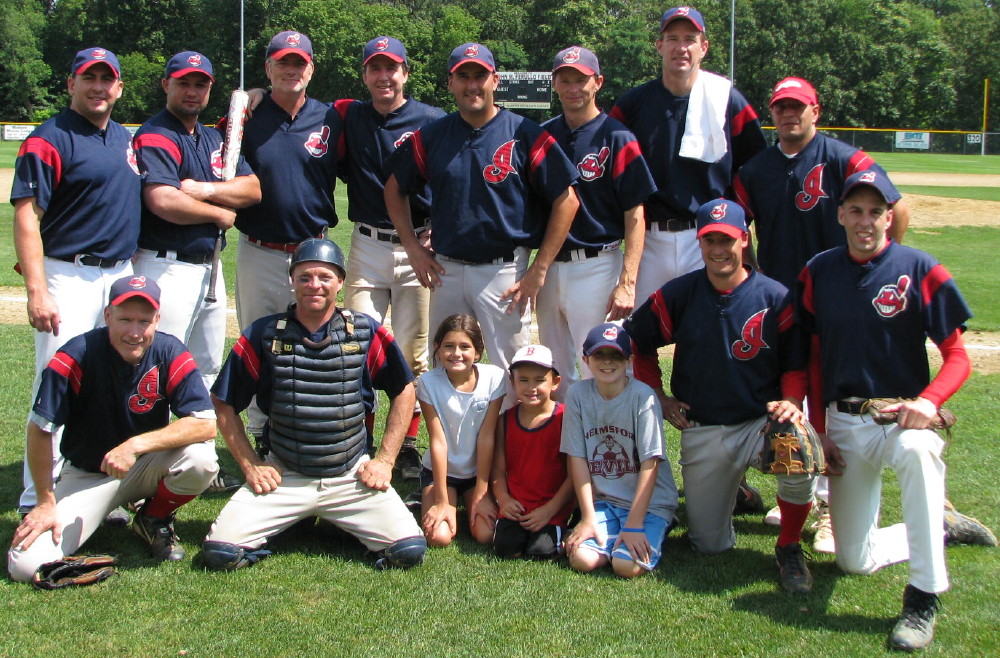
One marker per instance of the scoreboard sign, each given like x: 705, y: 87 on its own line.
x: 530, y: 90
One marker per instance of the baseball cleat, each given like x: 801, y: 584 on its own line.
x: 408, y: 462
x: 118, y: 516
x: 773, y: 516
x: 915, y: 628
x: 748, y: 500
x: 159, y: 534
x: 223, y: 483
x: 823, y: 541
x: 792, y: 570
x: 962, y: 529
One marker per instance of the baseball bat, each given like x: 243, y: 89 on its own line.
x: 235, y: 119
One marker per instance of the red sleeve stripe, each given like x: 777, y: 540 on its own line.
x: 376, y: 352
x: 420, y: 154
x: 153, y: 140
x: 624, y: 158
x: 807, y: 294
x: 786, y: 319
x: 934, y: 280
x: 68, y: 367
x: 745, y: 116
x: 663, y: 315
x: 342, y: 105
x: 248, y: 356
x: 45, y: 152
x: 860, y: 161
x: 538, y: 151
x: 741, y: 196
x: 616, y: 113
x: 180, y: 368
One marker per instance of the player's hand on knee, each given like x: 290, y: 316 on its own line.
x: 621, y: 302
x: 583, y: 531
x: 436, y: 515
x: 913, y: 414
x: 484, y: 508
x: 40, y: 520
x: 511, y: 508
x: 263, y: 478
x: 376, y: 474
x: 43, y: 313
x: 119, y: 460
x: 834, y: 461
x: 637, y: 544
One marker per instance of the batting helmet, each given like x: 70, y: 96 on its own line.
x: 318, y: 250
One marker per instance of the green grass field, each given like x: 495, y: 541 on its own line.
x: 952, y: 192
x: 938, y: 163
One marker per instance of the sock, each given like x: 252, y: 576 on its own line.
x: 793, y: 517
x: 164, y: 502
x: 414, y: 425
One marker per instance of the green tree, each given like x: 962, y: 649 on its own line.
x: 24, y: 77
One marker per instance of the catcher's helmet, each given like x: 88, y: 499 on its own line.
x: 319, y: 250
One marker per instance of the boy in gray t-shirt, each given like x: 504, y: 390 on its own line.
x: 613, y: 435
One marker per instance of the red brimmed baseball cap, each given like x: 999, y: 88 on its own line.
x: 796, y: 89
x: 722, y: 216
x: 128, y: 287
x: 682, y: 13
x: 91, y: 56
x: 391, y: 48
x: 579, y: 58
x: 878, y: 181
x: 188, y: 62
x: 537, y: 354
x: 472, y: 52
x: 290, y: 42
x: 608, y: 334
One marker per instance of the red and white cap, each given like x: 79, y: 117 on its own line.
x: 795, y: 88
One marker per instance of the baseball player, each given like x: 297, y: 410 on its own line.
x: 113, y: 390
x: 76, y: 213
x: 872, y: 305
x: 591, y: 281
x: 319, y: 363
x: 695, y: 130
x: 739, y: 357
x: 185, y: 203
x: 378, y: 269
x: 292, y: 143
x: 501, y: 186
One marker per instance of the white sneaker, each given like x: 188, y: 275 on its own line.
x: 823, y: 542
x: 773, y: 517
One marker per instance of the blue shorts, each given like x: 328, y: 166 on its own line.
x: 611, y: 519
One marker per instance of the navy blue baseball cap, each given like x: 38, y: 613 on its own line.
x: 91, y: 56
x: 472, y: 52
x: 608, y: 334
x: 388, y: 46
x: 188, y: 62
x: 682, y: 13
x: 878, y: 181
x: 579, y: 58
x: 290, y: 42
x: 128, y: 287
x: 722, y: 216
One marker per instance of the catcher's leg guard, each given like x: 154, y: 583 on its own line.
x: 229, y: 557
x: 407, y: 553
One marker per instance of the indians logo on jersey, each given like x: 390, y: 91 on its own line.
x: 592, y: 166
x: 130, y: 158
x: 812, y: 189
x: 217, y: 165
x: 609, y: 460
x: 751, y: 340
x: 317, y: 143
x: 147, y: 392
x: 402, y: 138
x: 891, y: 298
x: 502, y: 165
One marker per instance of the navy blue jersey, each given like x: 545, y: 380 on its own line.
x: 296, y: 161
x: 371, y: 139
x: 731, y: 348
x: 167, y: 155
x: 793, y: 202
x: 87, y: 184
x: 613, y: 178
x: 493, y: 187
x: 873, y: 319
x: 657, y: 118
x: 102, y: 401
x: 247, y: 371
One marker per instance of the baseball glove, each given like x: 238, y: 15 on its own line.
x: 791, y: 449
x: 873, y: 407
x: 74, y: 570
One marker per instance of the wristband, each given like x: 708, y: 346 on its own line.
x: 642, y: 530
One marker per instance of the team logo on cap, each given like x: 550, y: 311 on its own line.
x: 891, y: 298
x: 611, y: 333
x: 147, y: 392
x: 683, y: 11
x: 293, y: 40
x: 609, y: 459
x: 867, y: 177
x: 194, y: 60
x: 502, y: 165
x: 592, y: 166
x: 572, y: 57
x: 785, y: 84
x: 751, y: 340
x: 812, y: 189
x: 472, y: 50
x: 402, y: 138
x: 137, y: 282
x: 718, y: 212
x: 382, y: 43
x: 99, y: 53
x: 317, y: 144
x: 217, y: 165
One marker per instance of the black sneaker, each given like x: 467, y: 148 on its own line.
x: 119, y: 516
x: 160, y: 535
x: 223, y: 483
x: 915, y: 628
x: 962, y: 529
x: 408, y: 462
x: 792, y: 570
x: 748, y: 500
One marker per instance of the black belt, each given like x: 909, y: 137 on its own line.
x: 193, y: 259
x: 94, y: 261
x: 566, y: 255
x: 508, y: 258
x: 851, y: 405
x: 673, y: 225
x: 378, y: 234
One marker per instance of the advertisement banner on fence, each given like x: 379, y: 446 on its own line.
x: 17, y: 132
x: 910, y: 140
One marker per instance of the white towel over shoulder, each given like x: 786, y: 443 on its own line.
x: 704, y: 137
